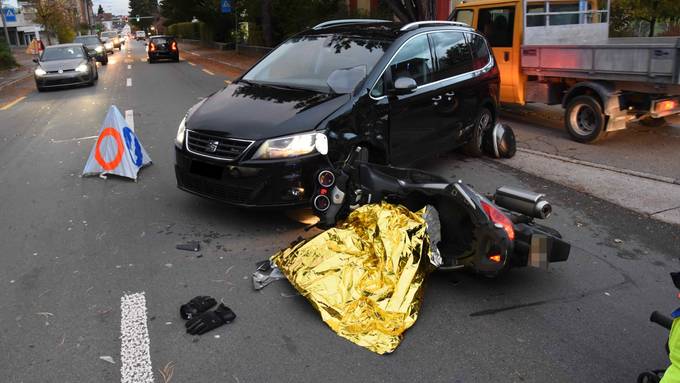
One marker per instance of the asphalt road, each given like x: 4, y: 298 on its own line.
x: 72, y: 247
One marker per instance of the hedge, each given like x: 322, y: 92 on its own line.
x: 6, y: 58
x: 189, y: 30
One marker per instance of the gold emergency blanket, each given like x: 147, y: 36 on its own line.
x: 364, y: 276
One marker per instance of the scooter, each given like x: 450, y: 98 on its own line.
x: 485, y: 234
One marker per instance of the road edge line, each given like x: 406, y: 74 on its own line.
x: 135, y: 355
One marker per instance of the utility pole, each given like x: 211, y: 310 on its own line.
x: 4, y: 25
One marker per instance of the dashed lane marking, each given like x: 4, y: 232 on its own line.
x: 134, y: 340
x: 128, y: 82
x: 208, y: 72
x: 129, y: 66
x: 11, y: 104
x: 227, y: 82
x: 195, y: 54
x: 130, y: 119
x: 190, y: 63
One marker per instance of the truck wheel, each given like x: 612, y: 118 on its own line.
x: 585, y: 120
x: 483, y: 122
x: 653, y: 122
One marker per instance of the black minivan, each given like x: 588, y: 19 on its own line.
x: 404, y: 91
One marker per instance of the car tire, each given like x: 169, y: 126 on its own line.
x: 653, y: 122
x: 151, y: 61
x: 584, y: 119
x: 483, y: 122
x: 40, y: 88
x: 106, y: 61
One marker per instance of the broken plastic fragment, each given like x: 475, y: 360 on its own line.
x: 265, y: 274
x: 189, y: 246
x: 107, y: 358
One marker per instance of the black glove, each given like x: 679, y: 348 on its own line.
x: 210, y: 320
x: 196, y: 306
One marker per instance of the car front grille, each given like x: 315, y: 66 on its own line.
x: 214, y: 146
x: 63, y: 71
x: 215, y: 189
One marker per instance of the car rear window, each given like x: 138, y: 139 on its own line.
x: 159, y: 40
x: 87, y: 40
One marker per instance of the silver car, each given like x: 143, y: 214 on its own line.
x: 63, y: 65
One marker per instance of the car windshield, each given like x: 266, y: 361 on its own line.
x: 62, y: 53
x: 87, y: 40
x: 307, y: 62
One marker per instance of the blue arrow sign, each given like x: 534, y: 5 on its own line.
x: 10, y: 14
x: 226, y: 6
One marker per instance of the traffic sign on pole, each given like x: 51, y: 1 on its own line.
x: 10, y: 15
x: 226, y: 6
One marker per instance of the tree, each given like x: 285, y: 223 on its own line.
x: 413, y: 10
x: 143, y: 8
x: 651, y: 11
x: 55, y: 17
x: 100, y: 10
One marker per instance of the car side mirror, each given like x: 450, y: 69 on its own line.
x: 404, y: 85
x: 36, y: 61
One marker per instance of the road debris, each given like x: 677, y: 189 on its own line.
x: 210, y: 320
x: 47, y: 316
x: 107, y: 358
x: 167, y: 371
x: 196, y: 305
x: 265, y: 274
x: 616, y: 240
x: 189, y: 246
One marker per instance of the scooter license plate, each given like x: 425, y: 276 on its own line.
x: 538, y: 256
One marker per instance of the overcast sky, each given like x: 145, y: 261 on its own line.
x: 117, y: 7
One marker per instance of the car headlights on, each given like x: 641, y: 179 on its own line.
x: 99, y: 49
x: 285, y: 147
x: 181, y: 132
x: 40, y: 72
x: 82, y: 68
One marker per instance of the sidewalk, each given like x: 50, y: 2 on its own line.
x: 25, y: 61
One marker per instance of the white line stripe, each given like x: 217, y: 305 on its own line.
x: 130, y: 119
x: 190, y: 63
x: 74, y: 139
x: 129, y: 66
x: 208, y: 72
x: 134, y: 340
x: 129, y: 82
x: 195, y: 54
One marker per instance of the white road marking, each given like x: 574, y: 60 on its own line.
x: 190, y: 63
x: 130, y: 119
x: 195, y: 54
x: 208, y: 72
x: 143, y: 59
x: 129, y: 66
x: 227, y: 82
x: 129, y: 82
x: 74, y: 139
x: 135, y: 357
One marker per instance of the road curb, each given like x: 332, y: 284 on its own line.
x: 4, y: 85
x: 634, y: 173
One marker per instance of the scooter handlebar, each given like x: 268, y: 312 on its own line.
x: 661, y: 320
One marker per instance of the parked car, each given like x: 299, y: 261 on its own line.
x: 140, y: 35
x: 65, y: 64
x: 95, y: 47
x: 162, y: 47
x: 113, y: 37
x: 403, y: 91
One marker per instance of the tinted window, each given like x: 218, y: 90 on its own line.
x: 464, y: 16
x: 453, y: 54
x: 480, y: 52
x: 308, y: 62
x: 413, y: 60
x: 62, y: 53
x: 497, y: 25
x: 159, y: 41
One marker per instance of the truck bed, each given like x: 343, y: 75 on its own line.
x: 652, y: 62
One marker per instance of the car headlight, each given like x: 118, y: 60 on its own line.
x: 181, y: 132
x: 82, y: 68
x: 99, y: 49
x: 285, y: 147
x: 40, y: 72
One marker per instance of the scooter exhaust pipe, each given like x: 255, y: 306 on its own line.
x: 522, y: 201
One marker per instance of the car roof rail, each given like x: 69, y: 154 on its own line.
x: 426, y: 23
x: 333, y: 23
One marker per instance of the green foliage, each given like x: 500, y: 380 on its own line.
x: 193, y: 31
x: 142, y: 8
x: 219, y: 26
x: 65, y: 34
x: 6, y: 59
x: 625, y: 13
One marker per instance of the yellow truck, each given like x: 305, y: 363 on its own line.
x: 559, y: 52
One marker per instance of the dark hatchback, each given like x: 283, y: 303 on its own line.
x: 162, y: 47
x: 403, y: 91
x: 95, y: 47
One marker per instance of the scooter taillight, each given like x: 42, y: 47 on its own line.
x: 173, y: 46
x: 499, y: 218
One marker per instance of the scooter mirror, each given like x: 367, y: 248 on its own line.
x: 321, y: 143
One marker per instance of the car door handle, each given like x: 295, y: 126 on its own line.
x: 450, y: 94
x: 437, y: 98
